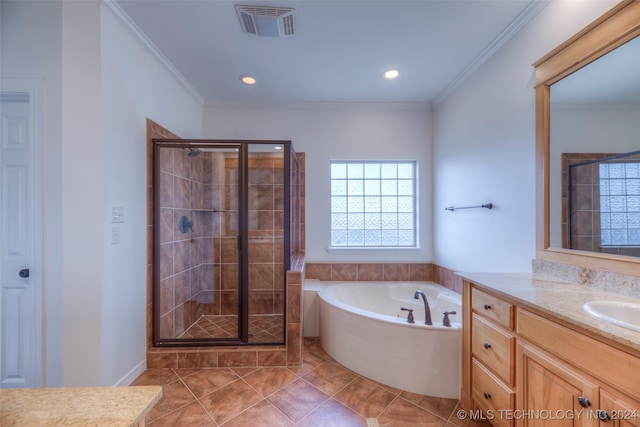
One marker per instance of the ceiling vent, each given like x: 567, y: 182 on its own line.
x: 266, y: 21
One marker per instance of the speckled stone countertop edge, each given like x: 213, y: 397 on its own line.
x: 561, y: 300
x: 77, y: 406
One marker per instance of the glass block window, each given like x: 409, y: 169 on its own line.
x: 620, y: 204
x: 373, y: 203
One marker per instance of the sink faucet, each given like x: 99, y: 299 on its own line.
x: 427, y: 311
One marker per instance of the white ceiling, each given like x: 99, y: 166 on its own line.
x: 338, y: 52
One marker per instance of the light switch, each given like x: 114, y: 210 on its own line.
x: 115, y: 235
x: 117, y: 214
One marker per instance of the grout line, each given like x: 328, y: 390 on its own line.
x: 451, y: 416
x: 278, y: 409
x: 297, y: 377
x: 205, y: 409
x: 314, y: 409
x: 345, y: 386
x: 453, y: 411
x: 426, y: 410
x: 180, y: 376
x: 249, y: 407
x: 382, y: 386
x: 180, y: 407
x: 218, y: 388
x: 208, y: 413
x: 190, y: 391
x: 388, y: 405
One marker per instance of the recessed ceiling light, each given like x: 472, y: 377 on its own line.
x: 391, y: 74
x: 248, y: 80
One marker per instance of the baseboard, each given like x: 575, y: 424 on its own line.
x: 132, y: 374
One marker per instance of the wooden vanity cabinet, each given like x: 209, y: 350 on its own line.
x: 524, y: 369
x: 552, y: 393
x: 490, y: 394
x: 492, y: 352
x: 492, y: 308
x: 493, y: 347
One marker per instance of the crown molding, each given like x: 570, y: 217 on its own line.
x: 533, y: 9
x: 373, y: 106
x: 127, y: 23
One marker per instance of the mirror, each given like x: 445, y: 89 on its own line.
x: 588, y: 109
x: 594, y: 189
x: 600, y: 202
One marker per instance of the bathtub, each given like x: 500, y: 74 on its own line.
x: 363, y: 328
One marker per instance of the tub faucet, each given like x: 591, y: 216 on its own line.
x: 446, y: 321
x: 427, y: 311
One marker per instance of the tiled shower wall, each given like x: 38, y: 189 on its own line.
x: 189, y: 281
x: 266, y: 236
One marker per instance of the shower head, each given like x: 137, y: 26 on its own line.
x: 193, y: 152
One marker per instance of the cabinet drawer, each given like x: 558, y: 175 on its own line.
x: 494, y: 347
x: 491, y: 395
x: 492, y: 308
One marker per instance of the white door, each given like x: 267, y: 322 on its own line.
x: 21, y: 234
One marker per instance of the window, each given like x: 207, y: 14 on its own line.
x: 620, y: 204
x: 373, y: 203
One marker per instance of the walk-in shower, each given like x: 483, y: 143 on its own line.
x: 225, y: 227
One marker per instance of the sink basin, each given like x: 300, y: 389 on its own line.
x: 625, y: 314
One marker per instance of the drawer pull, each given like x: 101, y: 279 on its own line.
x: 602, y: 415
x: 584, y: 402
x: 487, y: 395
x: 487, y: 345
x: 487, y: 306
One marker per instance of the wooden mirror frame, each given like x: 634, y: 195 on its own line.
x: 614, y: 28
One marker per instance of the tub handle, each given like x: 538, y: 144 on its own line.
x: 410, y: 315
x: 446, y: 321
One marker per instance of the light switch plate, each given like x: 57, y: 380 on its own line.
x: 115, y: 235
x: 117, y: 214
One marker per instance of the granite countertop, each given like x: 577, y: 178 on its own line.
x: 561, y: 300
x: 83, y: 406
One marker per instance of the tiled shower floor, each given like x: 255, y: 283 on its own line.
x: 263, y: 328
x: 321, y: 392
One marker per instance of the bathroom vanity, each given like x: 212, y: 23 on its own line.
x: 533, y: 356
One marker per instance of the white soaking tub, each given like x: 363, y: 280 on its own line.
x: 363, y: 327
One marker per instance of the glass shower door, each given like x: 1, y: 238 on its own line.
x: 222, y: 241
x: 196, y: 256
x: 266, y: 255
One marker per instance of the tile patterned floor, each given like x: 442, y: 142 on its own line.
x: 321, y: 392
x: 263, y: 328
